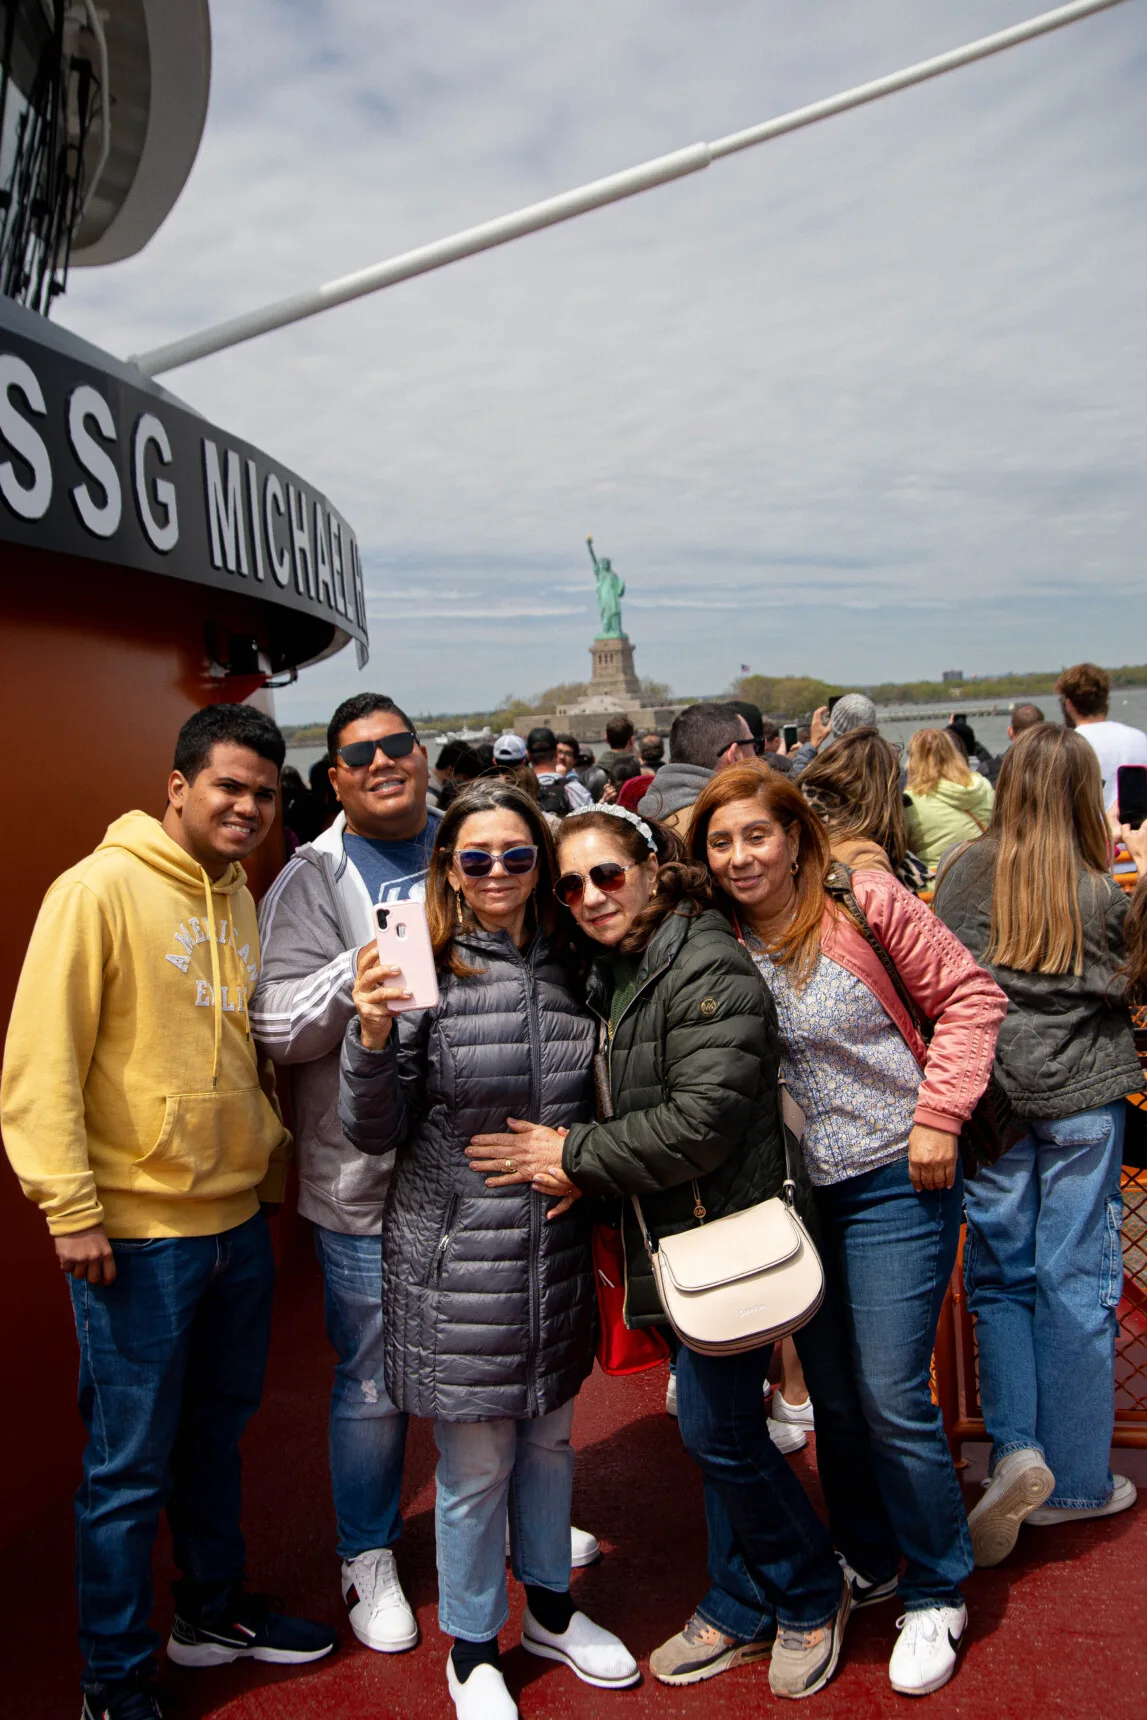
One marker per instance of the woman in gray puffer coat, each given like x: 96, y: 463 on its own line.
x: 1034, y: 902
x: 488, y: 1300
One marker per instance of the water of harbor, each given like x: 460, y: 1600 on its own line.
x: 1128, y: 705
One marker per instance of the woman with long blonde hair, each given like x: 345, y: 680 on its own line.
x: 946, y: 801
x: 1034, y: 901
x: 884, y: 1112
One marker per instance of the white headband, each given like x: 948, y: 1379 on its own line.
x: 613, y: 811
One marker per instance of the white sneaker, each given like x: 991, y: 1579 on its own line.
x: 595, y: 1655
x: 865, y: 1593
x: 795, y: 1414
x: 1020, y: 1482
x: 1122, y: 1499
x: 925, y: 1654
x: 787, y: 1439
x: 585, y: 1549
x: 380, y: 1613
x: 483, y: 1696
x: 671, y: 1397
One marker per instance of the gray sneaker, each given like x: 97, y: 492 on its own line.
x: 1020, y: 1483
x: 701, y: 1651
x: 803, y: 1661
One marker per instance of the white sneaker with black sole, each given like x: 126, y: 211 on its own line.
x: 925, y: 1654
x: 1019, y: 1483
x: 595, y: 1655
x: 379, y: 1613
x: 1123, y: 1497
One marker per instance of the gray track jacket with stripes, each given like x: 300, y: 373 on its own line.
x: 313, y: 921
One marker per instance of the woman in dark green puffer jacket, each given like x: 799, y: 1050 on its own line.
x: 693, y: 1078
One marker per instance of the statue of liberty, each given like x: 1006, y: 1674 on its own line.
x: 610, y: 591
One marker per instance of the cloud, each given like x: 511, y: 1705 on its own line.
x: 866, y: 401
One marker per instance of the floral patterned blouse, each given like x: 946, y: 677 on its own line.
x: 847, y: 1067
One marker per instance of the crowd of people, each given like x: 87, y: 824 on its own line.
x: 640, y: 963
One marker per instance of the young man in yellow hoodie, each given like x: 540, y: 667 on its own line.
x: 137, y: 1118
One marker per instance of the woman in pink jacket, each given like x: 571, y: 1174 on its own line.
x: 884, y: 1112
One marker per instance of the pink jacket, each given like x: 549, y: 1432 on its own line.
x: 961, y: 998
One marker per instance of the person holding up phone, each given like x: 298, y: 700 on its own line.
x: 1035, y: 903
x: 488, y: 1299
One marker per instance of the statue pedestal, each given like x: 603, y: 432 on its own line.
x: 614, y: 676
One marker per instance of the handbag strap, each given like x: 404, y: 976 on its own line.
x: 838, y: 884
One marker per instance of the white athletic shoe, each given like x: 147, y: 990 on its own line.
x: 787, y: 1439
x: 671, y: 1397
x: 585, y: 1549
x: 380, y: 1614
x: 595, y: 1655
x: 1020, y: 1483
x: 1122, y: 1499
x: 795, y: 1414
x: 925, y: 1654
x: 483, y: 1696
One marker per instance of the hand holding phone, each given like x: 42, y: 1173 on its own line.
x: 376, y: 987
x: 790, y: 734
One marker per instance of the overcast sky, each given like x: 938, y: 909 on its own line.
x: 867, y: 402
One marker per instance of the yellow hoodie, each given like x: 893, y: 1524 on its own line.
x: 131, y: 1091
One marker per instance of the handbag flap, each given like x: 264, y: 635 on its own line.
x: 731, y: 1248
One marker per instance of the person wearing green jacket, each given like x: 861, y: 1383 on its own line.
x: 946, y: 802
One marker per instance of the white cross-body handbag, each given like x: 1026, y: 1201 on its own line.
x: 744, y: 1280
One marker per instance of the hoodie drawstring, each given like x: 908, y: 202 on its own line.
x: 216, y: 985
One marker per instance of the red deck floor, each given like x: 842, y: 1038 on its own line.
x: 1060, y: 1629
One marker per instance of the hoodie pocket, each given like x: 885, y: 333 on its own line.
x: 210, y: 1145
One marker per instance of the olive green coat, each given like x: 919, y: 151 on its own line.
x: 693, y: 1068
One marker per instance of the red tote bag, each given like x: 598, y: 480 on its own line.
x: 620, y: 1350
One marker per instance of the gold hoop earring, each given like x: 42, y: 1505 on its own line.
x: 795, y: 868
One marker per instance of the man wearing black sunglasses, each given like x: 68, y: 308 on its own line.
x: 313, y: 921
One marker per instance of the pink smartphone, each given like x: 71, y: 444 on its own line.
x: 404, y: 942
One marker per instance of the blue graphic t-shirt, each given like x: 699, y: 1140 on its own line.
x: 394, y: 871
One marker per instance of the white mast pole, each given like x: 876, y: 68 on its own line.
x: 595, y: 195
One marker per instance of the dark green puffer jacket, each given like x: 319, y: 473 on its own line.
x: 693, y: 1075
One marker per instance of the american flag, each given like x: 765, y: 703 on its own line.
x: 745, y: 669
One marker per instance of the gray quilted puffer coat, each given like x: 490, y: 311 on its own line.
x: 489, y: 1310
x: 693, y: 1068
x: 1066, y: 1043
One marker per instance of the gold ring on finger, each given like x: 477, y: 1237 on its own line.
x: 509, y: 1166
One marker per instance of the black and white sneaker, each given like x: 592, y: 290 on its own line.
x: 247, y: 1627
x: 121, y: 1699
x: 864, y: 1592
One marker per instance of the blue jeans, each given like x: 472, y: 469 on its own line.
x: 483, y: 1468
x: 888, y: 1254
x: 171, y: 1369
x: 770, y: 1557
x: 1043, y: 1264
x: 367, y: 1433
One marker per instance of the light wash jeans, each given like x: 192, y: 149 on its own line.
x: 1043, y: 1266
x: 483, y: 1466
x: 367, y: 1433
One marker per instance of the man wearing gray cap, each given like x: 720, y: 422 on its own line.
x: 850, y: 711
